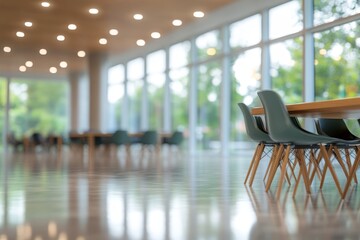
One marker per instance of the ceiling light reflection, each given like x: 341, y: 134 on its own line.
x: 177, y: 22
x: 199, y: 14
x: 20, y: 34
x: 63, y: 64
x: 155, y: 35
x: 138, y: 16
x: 22, y: 68
x: 45, y: 4
x: 93, y: 11
x: 81, y: 53
x: 28, y: 24
x: 29, y: 64
x: 72, y: 26
x: 140, y: 42
x: 102, y: 41
x: 60, y: 38
x: 113, y: 32
x: 43, y: 51
x: 7, y: 49
x: 53, y: 70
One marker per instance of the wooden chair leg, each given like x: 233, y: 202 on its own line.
x: 283, y: 170
x: 273, y: 154
x: 352, y: 172
x: 332, y: 171
x: 256, y: 164
x: 274, y: 166
x: 252, y: 163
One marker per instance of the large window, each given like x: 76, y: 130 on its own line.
x: 285, y: 19
x: 337, y: 62
x: 2, y: 106
x: 329, y: 10
x: 208, y: 44
x: 208, y: 106
x: 115, y: 94
x: 155, y: 68
x: 135, y: 77
x: 246, y: 80
x: 38, y: 106
x: 246, y: 32
x: 286, y: 69
x: 179, y: 58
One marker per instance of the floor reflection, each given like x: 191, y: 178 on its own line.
x: 166, y: 195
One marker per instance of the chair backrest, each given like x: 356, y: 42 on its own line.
x: 120, y: 137
x: 252, y: 125
x: 37, y: 138
x: 335, y: 128
x: 149, y: 138
x: 280, y: 125
x: 176, y: 138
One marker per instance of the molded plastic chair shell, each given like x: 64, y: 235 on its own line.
x: 175, y: 139
x: 280, y: 126
x: 335, y: 128
x: 252, y: 124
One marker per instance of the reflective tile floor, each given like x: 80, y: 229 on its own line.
x: 46, y: 195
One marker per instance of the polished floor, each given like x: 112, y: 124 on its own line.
x: 171, y: 195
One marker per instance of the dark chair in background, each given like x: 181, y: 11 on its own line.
x: 37, y: 140
x: 176, y: 138
x: 117, y: 139
x: 148, y: 140
x: 14, y: 142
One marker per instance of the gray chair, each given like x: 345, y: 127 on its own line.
x: 256, y: 131
x: 175, y: 139
x: 283, y: 130
x: 118, y: 138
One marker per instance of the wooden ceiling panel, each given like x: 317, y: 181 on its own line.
x: 52, y: 21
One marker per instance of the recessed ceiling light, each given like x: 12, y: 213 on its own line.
x: 177, y: 22
x: 20, y: 34
x: 7, y: 49
x: 22, y: 68
x: 138, y: 16
x: 60, y: 38
x: 72, y: 26
x: 63, y: 64
x: 45, y: 4
x: 93, y: 11
x: 199, y: 14
x: 43, y: 51
x: 81, y: 53
x: 155, y: 35
x: 114, y: 32
x: 53, y: 70
x: 140, y: 42
x: 102, y: 41
x: 28, y: 24
x: 29, y: 64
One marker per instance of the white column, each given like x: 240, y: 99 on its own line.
x: 265, y: 53
x: 193, y: 100
x: 96, y: 97
x: 225, y: 95
x: 167, y: 96
x: 74, y: 101
x: 144, y: 102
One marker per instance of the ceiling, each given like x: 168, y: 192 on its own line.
x: 48, y: 23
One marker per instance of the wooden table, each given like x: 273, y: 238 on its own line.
x: 90, y: 136
x: 338, y: 108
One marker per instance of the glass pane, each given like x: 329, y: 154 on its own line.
x: 208, y: 44
x: 246, y: 32
x: 337, y: 62
x: 286, y: 69
x: 38, y: 106
x: 290, y: 11
x: 156, y: 99
x: 135, y: 69
x: 115, y: 95
x: 116, y: 74
x: 180, y: 100
x: 134, y: 90
x: 208, y: 106
x: 179, y: 54
x: 329, y: 10
x: 246, y: 81
x: 155, y: 62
